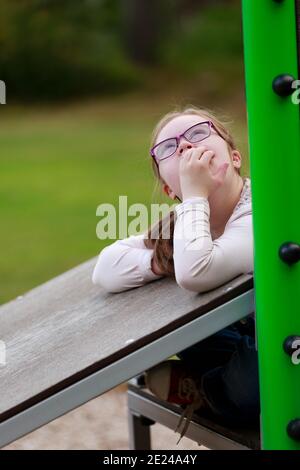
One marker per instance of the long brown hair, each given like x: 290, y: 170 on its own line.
x: 162, y: 246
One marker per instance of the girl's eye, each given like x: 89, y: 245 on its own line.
x: 197, y: 133
x: 167, y: 146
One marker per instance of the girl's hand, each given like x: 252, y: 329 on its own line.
x: 196, y: 177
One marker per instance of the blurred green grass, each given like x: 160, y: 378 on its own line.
x: 57, y: 166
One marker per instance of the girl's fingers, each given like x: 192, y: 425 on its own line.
x: 187, y: 154
x: 206, y: 157
x: 199, y: 152
x: 195, y: 153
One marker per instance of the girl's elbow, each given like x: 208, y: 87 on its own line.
x: 190, y: 283
x: 102, y: 276
x: 107, y: 284
x: 101, y: 279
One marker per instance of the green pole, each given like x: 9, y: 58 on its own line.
x: 270, y: 48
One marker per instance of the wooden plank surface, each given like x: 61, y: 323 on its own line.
x: 68, y: 328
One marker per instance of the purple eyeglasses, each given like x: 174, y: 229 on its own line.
x: 166, y: 148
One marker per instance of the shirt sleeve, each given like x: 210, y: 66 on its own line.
x: 124, y: 264
x: 201, y: 263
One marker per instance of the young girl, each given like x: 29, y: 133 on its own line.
x: 195, y: 159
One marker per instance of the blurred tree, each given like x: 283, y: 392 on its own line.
x: 142, y: 25
x: 53, y: 49
x: 146, y: 24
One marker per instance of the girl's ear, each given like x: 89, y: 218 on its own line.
x: 236, y: 158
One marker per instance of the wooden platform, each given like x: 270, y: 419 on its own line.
x: 68, y: 341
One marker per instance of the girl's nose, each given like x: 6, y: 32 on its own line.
x: 184, y: 145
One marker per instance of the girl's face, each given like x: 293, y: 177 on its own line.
x: 169, y: 168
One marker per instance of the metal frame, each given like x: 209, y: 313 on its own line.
x: 140, y: 407
x: 126, y: 368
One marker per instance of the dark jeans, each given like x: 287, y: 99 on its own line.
x: 228, y: 365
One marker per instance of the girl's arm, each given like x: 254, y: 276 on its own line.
x: 201, y: 263
x: 124, y: 264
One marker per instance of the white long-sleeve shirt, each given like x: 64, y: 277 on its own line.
x: 201, y: 262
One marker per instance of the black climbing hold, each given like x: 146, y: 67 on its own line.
x: 289, y: 342
x: 282, y: 85
x: 289, y: 252
x: 293, y: 429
